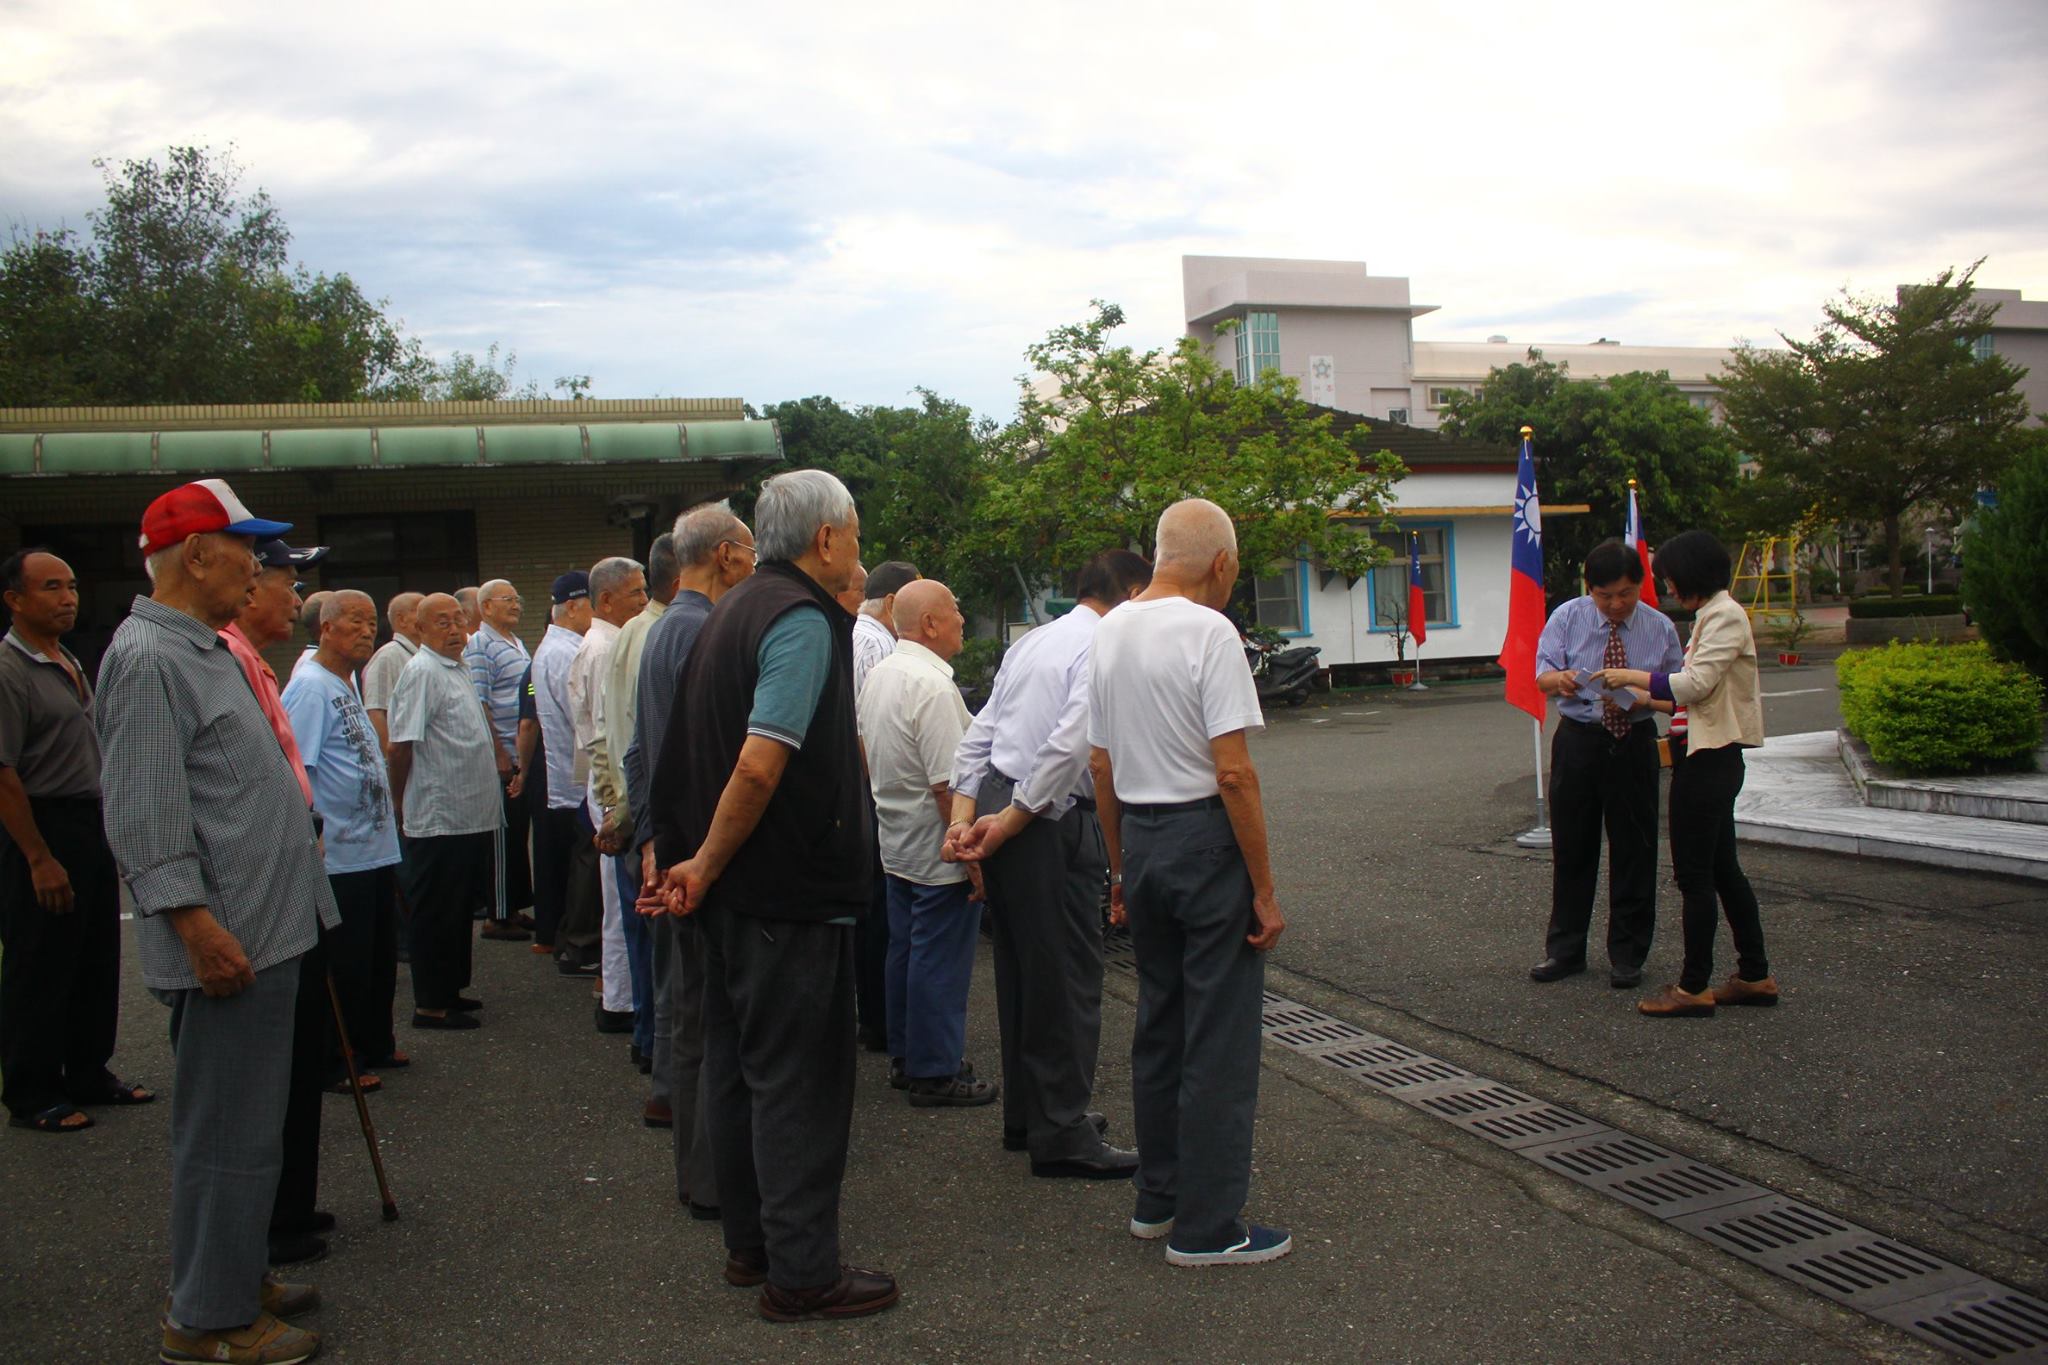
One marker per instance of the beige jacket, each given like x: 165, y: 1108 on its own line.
x: 1719, y: 687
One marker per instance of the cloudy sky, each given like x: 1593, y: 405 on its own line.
x: 771, y: 200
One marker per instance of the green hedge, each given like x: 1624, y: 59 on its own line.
x: 1939, y: 708
x: 1874, y: 608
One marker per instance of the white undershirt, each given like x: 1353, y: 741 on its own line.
x: 1166, y: 676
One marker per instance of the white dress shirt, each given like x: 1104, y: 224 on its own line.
x: 586, y: 683
x: 911, y: 720
x: 551, y: 662
x: 1034, y: 729
x: 872, y: 643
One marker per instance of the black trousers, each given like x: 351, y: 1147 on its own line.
x: 1704, y: 784
x: 444, y: 875
x: 871, y: 957
x: 778, y: 1086
x: 298, y: 1180
x: 1600, y: 783
x: 512, y: 877
x: 577, y: 936
x: 554, y: 834
x: 1045, y: 892
x: 364, y: 955
x: 60, y: 980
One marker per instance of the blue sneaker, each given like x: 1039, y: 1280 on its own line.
x: 1258, y: 1244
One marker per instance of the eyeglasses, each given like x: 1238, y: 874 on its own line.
x: 505, y: 597
x: 739, y: 545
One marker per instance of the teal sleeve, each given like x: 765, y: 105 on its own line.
x: 794, y: 660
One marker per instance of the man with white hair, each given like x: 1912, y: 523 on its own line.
x: 760, y: 816
x: 618, y: 590
x: 497, y: 660
x: 565, y: 895
x: 911, y: 721
x: 1170, y: 703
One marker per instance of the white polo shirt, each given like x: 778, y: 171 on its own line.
x: 911, y: 720
x: 1165, y: 677
x: 453, y: 786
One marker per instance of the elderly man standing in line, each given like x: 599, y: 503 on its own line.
x: 444, y: 786
x: 618, y: 590
x: 352, y: 796
x: 209, y: 827
x: 266, y: 619
x: 874, y: 639
x: 911, y: 721
x: 716, y: 551
x: 566, y: 907
x: 469, y: 600
x: 497, y: 662
x: 617, y: 700
x: 1170, y: 703
x: 1024, y: 767
x: 60, y: 913
x: 380, y: 675
x: 309, y: 628
x: 760, y: 811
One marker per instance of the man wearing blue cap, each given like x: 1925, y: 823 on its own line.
x: 565, y: 888
x: 189, y: 763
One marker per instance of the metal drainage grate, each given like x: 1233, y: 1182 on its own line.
x: 1935, y: 1300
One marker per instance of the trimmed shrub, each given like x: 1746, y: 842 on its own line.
x: 1939, y: 708
x: 2005, y: 563
x: 1877, y: 608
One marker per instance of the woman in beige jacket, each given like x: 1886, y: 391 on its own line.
x: 1718, y: 691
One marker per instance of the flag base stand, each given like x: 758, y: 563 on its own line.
x: 1538, y: 837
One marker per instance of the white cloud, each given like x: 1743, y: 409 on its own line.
x: 783, y: 199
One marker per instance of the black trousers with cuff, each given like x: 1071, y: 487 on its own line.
x: 1600, y: 784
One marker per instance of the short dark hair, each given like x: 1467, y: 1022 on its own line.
x: 1611, y: 561
x: 1696, y: 563
x: 1110, y: 576
x: 890, y: 577
x: 14, y: 570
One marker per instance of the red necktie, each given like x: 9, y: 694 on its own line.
x: 1612, y: 716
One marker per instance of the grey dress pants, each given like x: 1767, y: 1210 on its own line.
x: 1195, y: 1055
x: 234, y: 1064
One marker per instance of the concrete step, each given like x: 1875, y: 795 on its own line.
x: 2019, y: 797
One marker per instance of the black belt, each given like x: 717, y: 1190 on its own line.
x: 1597, y: 728
x: 1171, y: 807
x: 1086, y: 803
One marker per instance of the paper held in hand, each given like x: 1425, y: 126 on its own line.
x: 1589, y: 686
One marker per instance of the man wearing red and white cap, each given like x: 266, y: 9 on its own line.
x: 190, y: 763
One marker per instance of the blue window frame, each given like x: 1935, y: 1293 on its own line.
x: 1280, y: 599
x: 1388, y: 583
x: 1258, y: 346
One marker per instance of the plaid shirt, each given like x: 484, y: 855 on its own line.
x: 201, y: 807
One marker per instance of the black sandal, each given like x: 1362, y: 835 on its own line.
x: 51, y: 1120
x: 119, y: 1091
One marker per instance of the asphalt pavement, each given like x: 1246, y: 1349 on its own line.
x: 1900, y: 1083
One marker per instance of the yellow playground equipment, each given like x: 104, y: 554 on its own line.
x: 1767, y: 577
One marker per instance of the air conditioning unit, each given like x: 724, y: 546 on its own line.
x: 1398, y: 415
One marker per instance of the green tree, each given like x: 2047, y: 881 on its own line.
x: 1126, y: 433
x: 1591, y: 438
x: 1889, y: 406
x: 2005, y: 561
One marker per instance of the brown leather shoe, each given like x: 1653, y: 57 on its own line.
x: 1736, y: 991
x: 283, y: 1299
x: 745, y: 1269
x: 855, y: 1294
x: 266, y: 1341
x: 1674, y: 1003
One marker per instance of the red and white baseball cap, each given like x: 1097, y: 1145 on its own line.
x: 198, y: 508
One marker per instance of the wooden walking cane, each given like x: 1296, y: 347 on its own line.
x: 355, y: 1085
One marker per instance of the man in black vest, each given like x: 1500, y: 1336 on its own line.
x: 760, y: 812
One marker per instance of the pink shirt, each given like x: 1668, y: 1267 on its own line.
x: 264, y: 684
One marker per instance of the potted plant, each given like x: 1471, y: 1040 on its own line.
x: 1394, y: 616
x: 1795, y: 629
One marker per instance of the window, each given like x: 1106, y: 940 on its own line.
x: 406, y: 552
x: 1981, y: 347
x: 1258, y: 346
x: 1398, y: 415
x: 1440, y: 395
x: 1278, y: 600
x: 1389, y: 582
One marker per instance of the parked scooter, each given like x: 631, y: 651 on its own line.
x: 1283, y: 674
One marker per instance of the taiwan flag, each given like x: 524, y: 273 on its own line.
x: 1632, y: 536
x: 1526, y: 610
x: 1418, y: 616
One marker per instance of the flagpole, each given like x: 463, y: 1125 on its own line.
x: 1539, y: 837
x: 1414, y: 595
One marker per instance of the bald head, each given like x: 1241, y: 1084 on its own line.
x: 927, y: 614
x: 442, y: 625
x: 856, y: 591
x: 1197, y: 552
x: 403, y: 614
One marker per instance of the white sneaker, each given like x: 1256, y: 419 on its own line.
x: 1150, y: 1232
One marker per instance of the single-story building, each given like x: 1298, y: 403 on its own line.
x: 1458, y: 497
x: 408, y: 496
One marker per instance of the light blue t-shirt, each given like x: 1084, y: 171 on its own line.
x: 351, y: 785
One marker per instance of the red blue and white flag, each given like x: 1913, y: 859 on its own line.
x: 1418, y: 615
x: 1526, y: 609
x: 1632, y: 536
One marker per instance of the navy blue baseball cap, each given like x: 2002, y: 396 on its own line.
x: 275, y: 554
x: 570, y: 586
